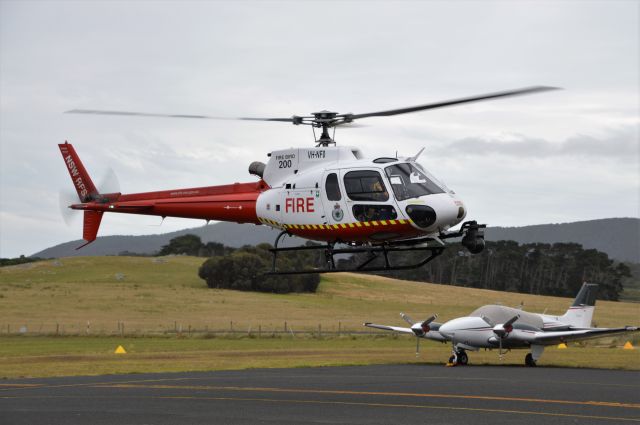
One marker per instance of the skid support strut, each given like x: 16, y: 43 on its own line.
x: 429, y: 246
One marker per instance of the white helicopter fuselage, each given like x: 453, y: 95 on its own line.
x: 335, y: 194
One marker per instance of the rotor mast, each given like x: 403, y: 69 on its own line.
x: 324, y: 120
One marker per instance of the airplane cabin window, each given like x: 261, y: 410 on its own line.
x: 365, y: 186
x: 333, y: 188
x: 374, y: 212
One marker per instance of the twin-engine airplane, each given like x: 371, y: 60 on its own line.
x: 328, y: 193
x: 495, y: 326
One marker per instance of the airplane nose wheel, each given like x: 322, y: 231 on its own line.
x: 528, y: 360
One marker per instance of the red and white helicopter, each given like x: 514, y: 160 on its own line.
x: 326, y: 193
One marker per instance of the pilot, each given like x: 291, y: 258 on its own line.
x: 378, y: 192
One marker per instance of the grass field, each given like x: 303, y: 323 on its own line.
x: 80, y: 295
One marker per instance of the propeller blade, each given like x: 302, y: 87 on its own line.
x: 407, y: 319
x: 430, y: 319
x: 511, y: 321
x: 147, y: 114
x: 488, y: 96
x: 488, y: 321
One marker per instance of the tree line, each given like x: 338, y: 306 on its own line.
x: 544, y: 269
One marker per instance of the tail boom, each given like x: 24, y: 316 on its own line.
x: 235, y: 203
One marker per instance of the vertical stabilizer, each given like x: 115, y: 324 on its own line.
x: 581, y: 311
x: 79, y: 176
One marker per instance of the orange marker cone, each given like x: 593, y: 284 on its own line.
x: 628, y: 346
x: 562, y: 346
x: 120, y: 350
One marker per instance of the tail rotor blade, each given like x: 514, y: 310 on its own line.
x: 109, y: 182
x: 66, y: 198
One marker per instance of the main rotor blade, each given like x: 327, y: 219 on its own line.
x: 496, y: 95
x: 147, y: 114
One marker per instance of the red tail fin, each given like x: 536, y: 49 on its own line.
x: 92, y: 221
x: 79, y: 176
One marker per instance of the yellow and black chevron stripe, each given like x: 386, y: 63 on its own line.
x: 373, y: 223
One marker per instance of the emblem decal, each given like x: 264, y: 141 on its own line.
x: 337, y: 213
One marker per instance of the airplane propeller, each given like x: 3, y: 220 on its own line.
x: 419, y: 328
x: 327, y: 119
x: 502, y: 330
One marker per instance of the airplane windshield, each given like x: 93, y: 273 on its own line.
x: 408, y: 181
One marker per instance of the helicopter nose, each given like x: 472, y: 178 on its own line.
x: 422, y: 215
x: 462, y: 212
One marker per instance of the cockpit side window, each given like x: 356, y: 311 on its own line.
x: 332, y: 187
x: 365, y: 185
x: 408, y: 181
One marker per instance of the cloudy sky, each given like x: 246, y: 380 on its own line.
x: 554, y: 157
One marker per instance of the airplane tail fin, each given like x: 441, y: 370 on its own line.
x: 580, y: 314
x: 81, y: 181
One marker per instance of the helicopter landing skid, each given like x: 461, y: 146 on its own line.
x: 430, y: 246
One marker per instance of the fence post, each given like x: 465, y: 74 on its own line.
x: 259, y: 331
x: 319, y: 330
x: 339, y: 328
x: 285, y: 326
x: 57, y: 329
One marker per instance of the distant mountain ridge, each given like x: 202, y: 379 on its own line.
x: 618, y: 237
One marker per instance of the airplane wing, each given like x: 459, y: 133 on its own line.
x: 551, y: 338
x: 390, y: 328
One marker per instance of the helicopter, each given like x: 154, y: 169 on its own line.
x: 326, y: 193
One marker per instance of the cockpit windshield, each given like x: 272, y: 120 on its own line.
x: 409, y: 181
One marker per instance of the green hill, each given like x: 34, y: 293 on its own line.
x: 159, y: 294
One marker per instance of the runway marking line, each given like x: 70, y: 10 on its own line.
x: 375, y: 393
x: 342, y: 403
x: 18, y: 386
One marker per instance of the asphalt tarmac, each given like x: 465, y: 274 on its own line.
x: 396, y: 394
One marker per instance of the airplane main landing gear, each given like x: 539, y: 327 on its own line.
x: 459, y: 357
x: 528, y: 360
